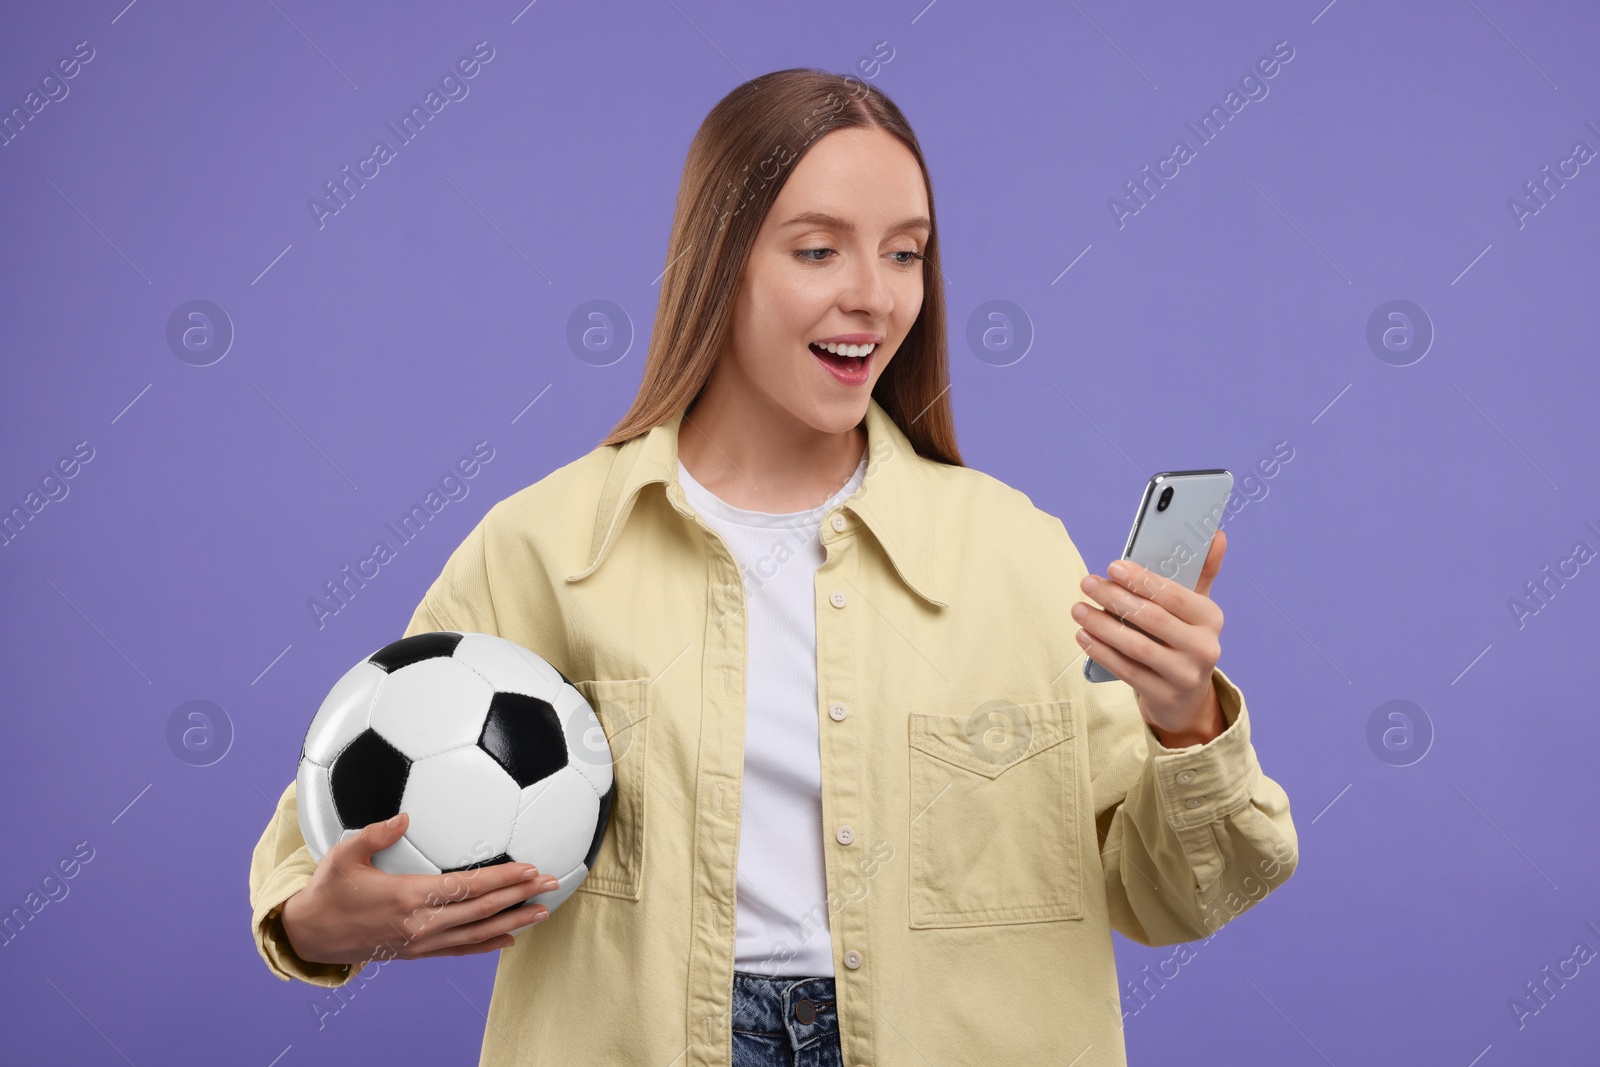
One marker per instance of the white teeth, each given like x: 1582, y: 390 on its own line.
x: 854, y: 351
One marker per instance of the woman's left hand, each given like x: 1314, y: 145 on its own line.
x: 1171, y: 675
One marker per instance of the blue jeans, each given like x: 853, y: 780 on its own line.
x: 784, y: 1021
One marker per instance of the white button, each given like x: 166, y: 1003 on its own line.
x: 838, y: 710
x: 852, y: 959
x: 837, y: 600
x: 1185, y: 777
x: 1192, y: 802
x: 838, y: 521
x: 845, y: 835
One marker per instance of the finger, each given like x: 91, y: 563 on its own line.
x: 491, y: 945
x: 1183, y: 603
x: 465, y: 885
x: 505, y: 922
x: 374, y: 837
x: 1135, y: 674
x: 1193, y: 644
x: 1135, y: 610
x: 1152, y: 657
x: 430, y: 925
x: 490, y: 904
x: 1213, y: 563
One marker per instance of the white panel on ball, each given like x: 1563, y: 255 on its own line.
x: 587, y: 747
x: 401, y: 857
x: 344, y: 713
x: 461, y: 804
x: 554, y: 829
x: 505, y: 667
x: 319, y: 822
x: 431, y: 707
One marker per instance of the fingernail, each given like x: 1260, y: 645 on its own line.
x: 530, y: 874
x: 550, y: 882
x: 1117, y: 570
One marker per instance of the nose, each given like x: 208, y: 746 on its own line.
x: 867, y: 289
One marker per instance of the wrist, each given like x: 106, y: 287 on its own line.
x: 1210, y: 725
x: 291, y: 918
x: 1182, y: 740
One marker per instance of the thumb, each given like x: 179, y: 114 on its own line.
x: 1213, y: 563
x: 375, y: 837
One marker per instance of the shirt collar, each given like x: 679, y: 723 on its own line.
x: 891, y: 500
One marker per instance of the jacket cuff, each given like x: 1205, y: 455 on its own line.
x: 273, y: 943
x: 1200, y: 784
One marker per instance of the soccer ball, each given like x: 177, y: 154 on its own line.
x: 492, y: 752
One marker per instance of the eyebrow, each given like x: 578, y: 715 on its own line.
x: 822, y: 218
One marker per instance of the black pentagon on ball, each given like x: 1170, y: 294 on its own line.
x: 504, y: 857
x: 523, y: 734
x: 600, y: 825
x: 368, y: 779
x: 440, y: 644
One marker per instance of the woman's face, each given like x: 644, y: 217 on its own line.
x: 835, y: 257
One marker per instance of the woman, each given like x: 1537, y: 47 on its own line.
x: 869, y: 811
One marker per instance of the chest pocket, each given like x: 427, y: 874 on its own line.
x: 623, y: 708
x: 994, y: 834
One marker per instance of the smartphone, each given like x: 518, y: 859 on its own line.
x: 1172, y: 532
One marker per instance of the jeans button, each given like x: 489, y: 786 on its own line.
x: 805, y: 1011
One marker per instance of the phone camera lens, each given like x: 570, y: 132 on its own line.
x: 1166, y: 498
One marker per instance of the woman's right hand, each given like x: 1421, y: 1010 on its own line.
x: 352, y: 912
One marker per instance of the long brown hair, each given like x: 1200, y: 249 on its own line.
x: 738, y: 162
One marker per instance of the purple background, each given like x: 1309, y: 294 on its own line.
x: 1228, y: 315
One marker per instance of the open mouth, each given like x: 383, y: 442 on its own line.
x: 847, y: 362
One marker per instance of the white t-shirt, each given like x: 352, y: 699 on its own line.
x: 782, y: 912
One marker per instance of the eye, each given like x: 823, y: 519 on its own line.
x: 914, y: 255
